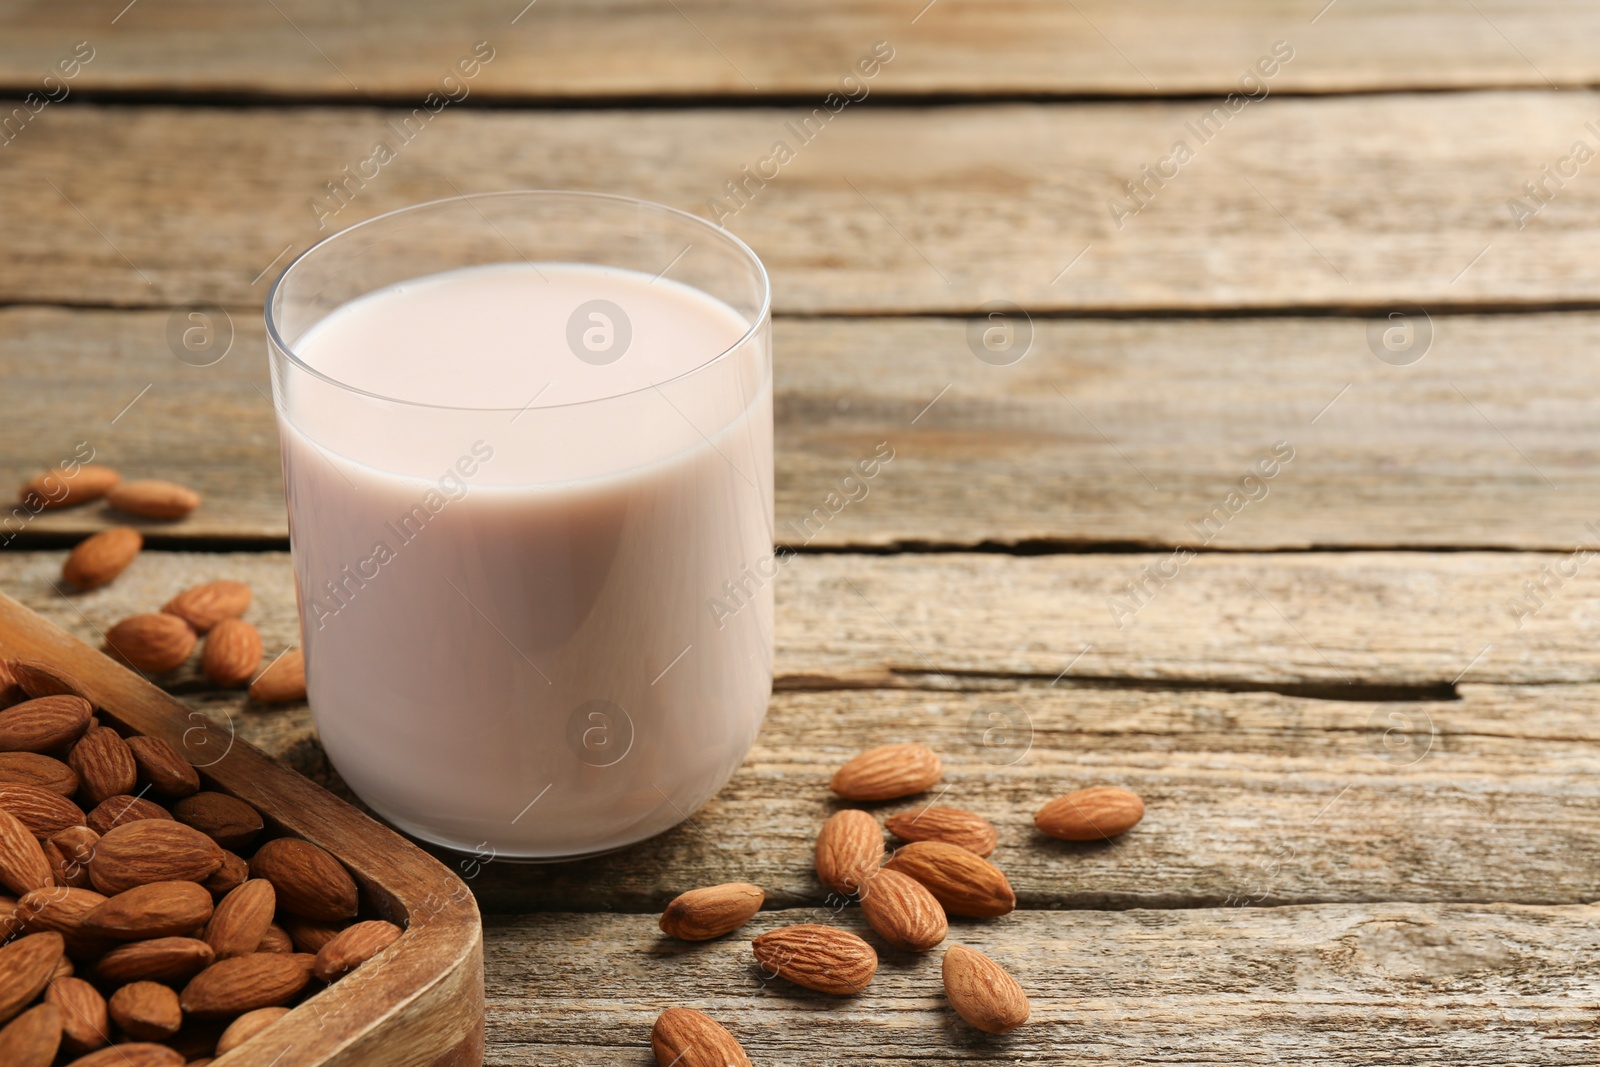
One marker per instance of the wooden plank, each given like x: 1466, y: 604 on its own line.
x: 1107, y: 432
x: 1255, y: 797
x: 565, y: 48
x: 1335, y: 984
x: 1348, y: 202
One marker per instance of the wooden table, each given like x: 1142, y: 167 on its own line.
x: 1367, y: 742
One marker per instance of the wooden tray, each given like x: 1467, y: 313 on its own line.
x: 421, y: 1004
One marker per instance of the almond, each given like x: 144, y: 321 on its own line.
x: 159, y: 909
x: 888, y: 772
x: 113, y: 812
x: 963, y: 883
x: 62, y: 488
x: 309, y: 936
x: 228, y: 821
x: 283, y: 680
x: 162, y: 767
x: 42, y: 680
x: 25, y: 968
x: 75, y: 848
x: 30, y: 768
x: 203, y: 606
x: 10, y: 691
x: 44, y: 723
x: 903, y: 912
x: 132, y: 1054
x: 228, y: 877
x: 242, y: 919
x: 32, y: 1038
x: 64, y: 968
x: 247, y: 1026
x: 147, y: 1011
x: 232, y: 653
x: 701, y: 914
x: 683, y: 1037
x: 153, y: 499
x: 310, y: 882
x: 23, y: 865
x: 104, y: 764
x: 44, y: 813
x: 849, y: 848
x: 162, y: 959
x: 98, y: 559
x: 982, y: 992
x: 153, y: 643
x: 152, y: 850
x: 276, y: 939
x: 951, y: 825
x: 85, y: 1022
x: 63, y: 909
x: 244, y: 983
x: 1093, y: 814
x: 354, y: 945
x: 824, y: 958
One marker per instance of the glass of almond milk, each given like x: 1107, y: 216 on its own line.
x: 527, y: 450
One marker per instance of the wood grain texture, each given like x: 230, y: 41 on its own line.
x: 1346, y: 202
x: 566, y: 48
x: 1334, y: 984
x: 1106, y: 432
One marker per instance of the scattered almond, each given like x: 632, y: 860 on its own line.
x: 242, y: 919
x: 23, y: 865
x: 247, y: 1026
x: 309, y: 881
x: 44, y: 723
x: 132, y: 1054
x: 153, y: 499
x: 113, y: 812
x: 101, y: 557
x: 701, y: 914
x: 104, y: 764
x: 888, y: 772
x: 824, y: 958
x: 75, y: 846
x: 32, y: 1038
x: 39, y: 679
x: 159, y: 764
x: 353, y: 946
x: 147, y: 1011
x: 228, y: 821
x: 284, y: 680
x: 162, y: 959
x: 683, y: 1037
x: 203, y: 606
x: 155, y: 643
x: 276, y: 939
x: 982, y: 992
x: 30, y: 768
x: 228, y: 877
x: 951, y: 825
x: 158, y: 909
x: 43, y: 812
x: 963, y: 883
x: 244, y: 983
x: 152, y: 850
x: 63, y: 910
x: 232, y: 653
x: 1094, y: 814
x: 85, y: 1020
x: 903, y: 912
x: 58, y: 488
x: 849, y: 848
x: 25, y: 967
x: 309, y: 936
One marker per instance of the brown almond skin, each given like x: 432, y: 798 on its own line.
x: 232, y: 653
x: 146, y: 1011
x: 981, y: 991
x: 153, y: 642
x: 309, y: 881
x: 161, y: 959
x: 162, y: 767
x: 152, y: 850
x: 63, y: 910
x: 23, y: 865
x: 30, y: 768
x: 902, y: 911
x: 32, y: 1038
x: 159, y: 909
x: 153, y: 499
x: 309, y: 936
x: 132, y: 1054
x: 283, y: 681
x: 849, y: 848
x: 113, y: 812
x: 963, y: 883
x: 43, y: 812
x: 228, y: 821
x: 26, y: 965
x: 75, y: 846
x: 85, y: 1020
x: 203, y: 606
x: 244, y: 983
x: 1094, y: 814
x: 39, y: 679
x: 104, y: 764
x: 230, y: 876
x: 824, y: 958
x: 354, y: 945
x: 44, y: 724
x: 683, y: 1037
x: 61, y: 488
x: 242, y: 919
x: 888, y: 772
x: 98, y: 559
x: 951, y: 825
x: 276, y: 939
x: 711, y: 911
x: 247, y: 1026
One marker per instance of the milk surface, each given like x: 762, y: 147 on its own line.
x: 524, y: 570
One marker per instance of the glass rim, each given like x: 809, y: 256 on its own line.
x: 275, y: 339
